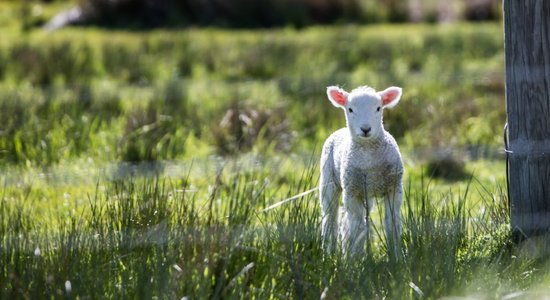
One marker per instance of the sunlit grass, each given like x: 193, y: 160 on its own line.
x: 162, y: 237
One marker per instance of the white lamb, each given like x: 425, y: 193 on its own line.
x: 362, y: 162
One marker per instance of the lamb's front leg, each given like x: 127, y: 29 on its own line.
x: 353, y: 230
x: 392, y: 218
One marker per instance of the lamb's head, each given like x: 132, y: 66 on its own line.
x: 363, y: 108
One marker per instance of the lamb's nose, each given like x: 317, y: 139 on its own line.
x: 365, y: 130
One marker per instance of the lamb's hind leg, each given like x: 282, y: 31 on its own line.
x: 330, y: 194
x: 392, y: 218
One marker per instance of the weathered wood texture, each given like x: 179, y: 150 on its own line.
x: 527, y: 48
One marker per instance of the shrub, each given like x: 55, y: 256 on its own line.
x: 447, y: 166
x: 242, y: 128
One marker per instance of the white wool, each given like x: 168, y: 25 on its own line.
x: 360, y: 162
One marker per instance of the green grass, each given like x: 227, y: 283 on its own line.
x: 162, y: 238
x: 155, y: 95
x: 138, y: 164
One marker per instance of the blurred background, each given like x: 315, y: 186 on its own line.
x: 106, y: 81
x: 253, y: 14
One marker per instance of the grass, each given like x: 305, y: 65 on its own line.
x: 153, y: 96
x: 162, y: 238
x: 139, y: 164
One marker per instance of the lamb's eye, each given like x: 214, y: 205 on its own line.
x: 378, y: 109
x: 350, y: 110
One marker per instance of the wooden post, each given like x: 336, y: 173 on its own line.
x: 527, y: 52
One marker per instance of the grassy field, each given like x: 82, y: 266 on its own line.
x: 139, y: 164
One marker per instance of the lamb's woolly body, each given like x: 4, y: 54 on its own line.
x: 361, y: 162
x: 374, y: 166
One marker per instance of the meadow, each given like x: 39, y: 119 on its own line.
x: 139, y: 164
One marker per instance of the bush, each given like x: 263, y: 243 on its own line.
x: 241, y: 129
x: 447, y: 166
x: 144, y: 133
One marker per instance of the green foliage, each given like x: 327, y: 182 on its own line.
x: 99, y: 84
x: 44, y: 126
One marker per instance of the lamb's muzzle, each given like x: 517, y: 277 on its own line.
x: 365, y: 130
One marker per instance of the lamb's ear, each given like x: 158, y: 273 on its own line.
x: 390, y: 96
x: 337, y: 96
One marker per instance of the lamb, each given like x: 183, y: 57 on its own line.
x: 361, y: 162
